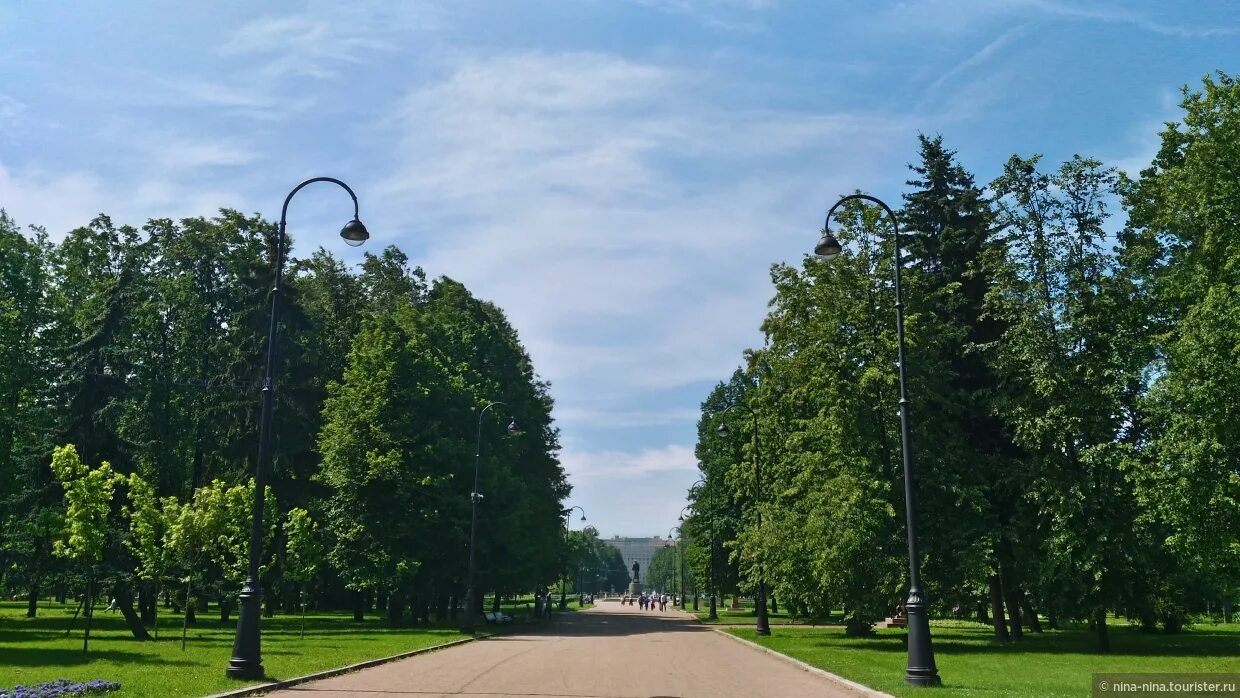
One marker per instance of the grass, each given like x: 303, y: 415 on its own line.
x: 746, y: 615
x: 37, y: 650
x: 1055, y: 663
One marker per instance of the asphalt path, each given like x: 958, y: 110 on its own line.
x: 609, y: 651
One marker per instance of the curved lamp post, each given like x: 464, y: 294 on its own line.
x: 714, y: 614
x: 763, y: 626
x: 563, y: 575
x: 681, y: 518
x: 468, y: 621
x: 921, y: 669
x: 675, y: 554
x: 247, y: 658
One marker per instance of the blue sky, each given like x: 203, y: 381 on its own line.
x: 617, y: 175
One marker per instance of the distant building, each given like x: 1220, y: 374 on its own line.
x: 640, y: 549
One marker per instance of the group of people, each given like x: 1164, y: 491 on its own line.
x: 649, y: 602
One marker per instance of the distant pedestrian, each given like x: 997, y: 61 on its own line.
x: 112, y: 606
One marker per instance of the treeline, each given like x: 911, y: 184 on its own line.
x: 1073, y: 368
x: 141, y: 352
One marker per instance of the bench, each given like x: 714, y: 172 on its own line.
x: 494, y: 617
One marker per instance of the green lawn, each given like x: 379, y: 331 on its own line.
x: 1055, y: 663
x: 743, y: 616
x: 34, y: 651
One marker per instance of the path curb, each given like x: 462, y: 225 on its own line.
x: 851, y: 685
x: 276, y: 685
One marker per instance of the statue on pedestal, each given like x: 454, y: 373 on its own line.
x: 635, y: 586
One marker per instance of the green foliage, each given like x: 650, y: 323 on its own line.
x: 1073, y: 440
x: 304, y: 548
x: 88, y: 499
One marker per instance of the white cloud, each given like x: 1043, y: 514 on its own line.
x: 978, y: 58
x: 1123, y: 15
x: 12, y: 114
x: 562, y: 186
x: 593, y: 465
x: 622, y: 419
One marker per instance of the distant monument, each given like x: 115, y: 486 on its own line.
x: 635, y: 586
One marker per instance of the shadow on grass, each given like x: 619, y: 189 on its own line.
x: 18, y: 656
x: 1124, y: 642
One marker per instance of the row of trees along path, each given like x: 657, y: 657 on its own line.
x: 128, y: 411
x: 1072, y: 335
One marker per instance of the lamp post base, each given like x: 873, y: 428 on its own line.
x: 247, y: 658
x: 921, y: 669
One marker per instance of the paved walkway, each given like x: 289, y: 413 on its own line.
x: 605, y: 652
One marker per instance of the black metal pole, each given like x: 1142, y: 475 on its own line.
x: 921, y: 669
x: 710, y: 499
x: 247, y: 660
x: 468, y: 619
x: 710, y: 581
x: 763, y: 626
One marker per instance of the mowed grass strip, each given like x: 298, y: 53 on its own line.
x: 36, y: 650
x: 1054, y: 663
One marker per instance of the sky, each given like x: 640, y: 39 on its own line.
x: 617, y: 175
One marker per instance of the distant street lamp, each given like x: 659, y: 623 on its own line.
x: 247, y: 658
x: 468, y: 620
x: 714, y: 614
x: 675, y: 552
x: 921, y: 669
x: 764, y: 625
x: 681, y: 518
x: 564, y: 573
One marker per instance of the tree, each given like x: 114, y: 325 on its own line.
x: 148, y: 536
x: 304, y: 553
x: 1182, y: 250
x: 88, y: 497
x: 1066, y: 358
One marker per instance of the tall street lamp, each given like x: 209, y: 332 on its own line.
x: 681, y: 518
x: 247, y: 658
x: 764, y: 625
x: 468, y: 621
x: 921, y: 669
x: 714, y: 614
x: 564, y: 574
x: 675, y: 554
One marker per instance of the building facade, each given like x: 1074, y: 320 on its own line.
x: 640, y: 550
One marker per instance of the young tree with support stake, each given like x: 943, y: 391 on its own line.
x: 88, y: 497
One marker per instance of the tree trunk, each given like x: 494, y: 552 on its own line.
x: 395, y: 609
x: 1035, y: 625
x: 774, y: 604
x: 146, y: 603
x: 225, y: 610
x: 32, y: 603
x: 359, y: 606
x: 90, y: 609
x: 495, y: 603
x: 441, y: 608
x: 996, y: 609
x: 982, y: 615
x: 189, y: 612
x: 1100, y: 626
x: 124, y: 601
x: 1013, y: 608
